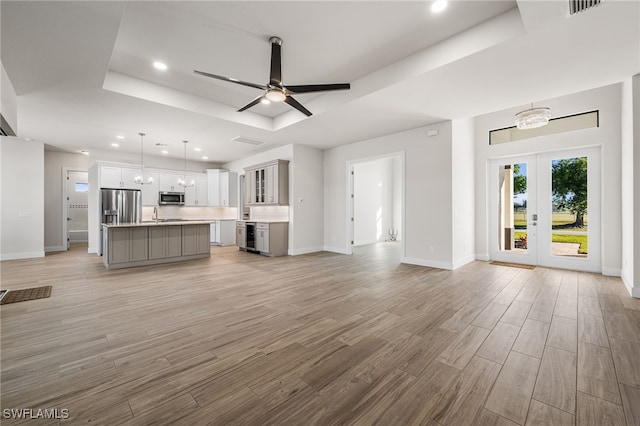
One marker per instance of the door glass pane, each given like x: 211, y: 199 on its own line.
x: 512, y: 208
x: 569, y: 215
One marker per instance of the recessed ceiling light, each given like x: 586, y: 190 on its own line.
x: 164, y: 151
x: 197, y: 149
x: 265, y: 101
x: 115, y: 145
x: 439, y: 6
x: 85, y: 152
x: 160, y: 66
x: 120, y: 137
x: 204, y: 157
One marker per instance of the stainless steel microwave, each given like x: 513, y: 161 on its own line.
x: 171, y: 198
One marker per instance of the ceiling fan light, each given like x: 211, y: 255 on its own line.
x: 532, y: 118
x: 275, y: 95
x: 265, y: 101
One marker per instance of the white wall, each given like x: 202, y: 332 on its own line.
x: 463, y: 192
x: 8, y: 100
x: 427, y: 225
x: 608, y: 101
x: 306, y: 200
x: 54, y: 163
x: 21, y: 201
x: 630, y: 168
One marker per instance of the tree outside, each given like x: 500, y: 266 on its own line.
x: 569, y: 187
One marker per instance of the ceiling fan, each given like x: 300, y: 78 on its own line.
x: 275, y: 91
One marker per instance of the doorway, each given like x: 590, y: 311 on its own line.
x: 545, y: 209
x: 376, y: 200
x: 75, y: 206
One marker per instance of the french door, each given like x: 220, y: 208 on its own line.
x: 545, y: 209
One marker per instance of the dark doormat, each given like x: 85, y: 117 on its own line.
x: 513, y: 265
x: 14, y: 296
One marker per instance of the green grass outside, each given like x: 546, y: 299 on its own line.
x: 562, y: 238
x: 557, y: 219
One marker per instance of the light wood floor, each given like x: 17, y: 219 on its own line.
x: 319, y: 339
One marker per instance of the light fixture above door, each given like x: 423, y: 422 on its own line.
x: 139, y: 179
x: 533, y: 118
x: 183, y: 181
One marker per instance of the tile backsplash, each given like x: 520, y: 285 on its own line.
x: 270, y: 213
x: 178, y: 212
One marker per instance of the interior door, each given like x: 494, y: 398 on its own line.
x: 545, y: 209
x: 77, y: 206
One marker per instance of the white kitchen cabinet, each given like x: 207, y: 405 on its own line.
x: 223, y: 188
x: 168, y: 182
x: 196, y: 195
x: 223, y: 232
x: 268, y: 183
x: 150, y: 190
x: 118, y: 177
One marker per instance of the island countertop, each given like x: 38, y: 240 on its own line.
x: 161, y: 222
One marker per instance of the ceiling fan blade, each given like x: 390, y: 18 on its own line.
x: 231, y: 80
x: 308, y: 88
x: 275, y: 76
x: 297, y: 105
x: 254, y: 102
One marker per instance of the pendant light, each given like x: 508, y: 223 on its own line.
x: 139, y: 179
x: 183, y: 182
x: 532, y: 118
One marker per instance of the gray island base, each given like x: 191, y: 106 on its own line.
x: 150, y: 243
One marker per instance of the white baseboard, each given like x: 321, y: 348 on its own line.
x: 484, y: 257
x: 426, y: 262
x: 54, y: 248
x: 340, y: 250
x: 612, y: 272
x: 461, y: 262
x: 305, y: 250
x: 634, y: 291
x: 27, y: 255
x: 92, y: 250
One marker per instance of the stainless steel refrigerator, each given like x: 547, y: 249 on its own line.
x: 119, y: 206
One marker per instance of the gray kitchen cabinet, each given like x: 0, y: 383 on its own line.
x: 131, y: 245
x: 139, y: 244
x: 195, y: 239
x: 268, y: 183
x: 128, y: 245
x: 165, y: 241
x: 241, y: 235
x: 262, y: 237
x: 272, y: 239
x: 119, y: 245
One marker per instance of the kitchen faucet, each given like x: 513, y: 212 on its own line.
x: 155, y: 214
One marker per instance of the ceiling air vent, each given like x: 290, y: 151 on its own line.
x: 247, y: 140
x: 577, y: 6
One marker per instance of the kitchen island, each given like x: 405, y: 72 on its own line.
x: 126, y: 245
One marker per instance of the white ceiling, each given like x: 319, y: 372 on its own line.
x: 83, y: 74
